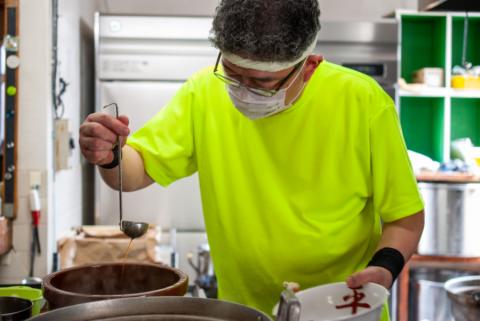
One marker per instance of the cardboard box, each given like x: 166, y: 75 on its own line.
x: 98, y: 244
x: 432, y: 77
x: 5, y: 235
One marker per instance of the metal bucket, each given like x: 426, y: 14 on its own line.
x: 452, y: 218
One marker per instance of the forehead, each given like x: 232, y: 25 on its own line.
x: 254, y: 73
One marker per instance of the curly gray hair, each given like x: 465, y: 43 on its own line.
x: 265, y: 30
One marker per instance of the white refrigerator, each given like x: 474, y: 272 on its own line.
x: 141, y: 61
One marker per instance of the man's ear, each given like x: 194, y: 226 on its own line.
x: 313, y: 61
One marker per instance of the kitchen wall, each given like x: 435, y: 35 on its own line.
x: 75, y: 66
x: 61, y: 192
x: 34, y: 139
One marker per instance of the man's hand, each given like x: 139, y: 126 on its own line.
x: 374, y: 274
x: 98, y: 136
x: 402, y: 235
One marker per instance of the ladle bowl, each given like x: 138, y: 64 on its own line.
x: 133, y: 229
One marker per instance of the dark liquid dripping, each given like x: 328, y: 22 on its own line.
x: 125, y: 258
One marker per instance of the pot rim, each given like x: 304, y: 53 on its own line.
x: 449, y: 285
x: 47, y: 285
x: 123, y: 304
x: 29, y: 307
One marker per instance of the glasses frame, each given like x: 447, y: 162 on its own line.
x: 259, y: 91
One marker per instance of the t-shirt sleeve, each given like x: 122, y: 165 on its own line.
x: 165, y: 142
x: 395, y: 190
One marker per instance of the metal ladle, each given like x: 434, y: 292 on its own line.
x: 130, y: 228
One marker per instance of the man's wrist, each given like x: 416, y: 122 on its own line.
x: 390, y: 259
x: 114, y: 163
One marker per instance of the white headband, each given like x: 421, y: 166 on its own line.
x: 269, y: 66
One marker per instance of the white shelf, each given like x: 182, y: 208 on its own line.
x: 424, y: 92
x: 465, y: 93
x: 440, y: 93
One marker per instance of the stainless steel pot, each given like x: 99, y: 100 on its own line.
x: 452, y: 219
x: 429, y: 300
x: 464, y: 293
x: 168, y: 309
x: 15, y: 309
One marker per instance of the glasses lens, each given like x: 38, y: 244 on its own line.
x: 262, y: 92
x: 227, y: 80
x: 235, y: 83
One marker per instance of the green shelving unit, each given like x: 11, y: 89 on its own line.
x: 473, y: 40
x: 423, y: 43
x: 422, y: 121
x: 433, y: 117
x: 465, y: 119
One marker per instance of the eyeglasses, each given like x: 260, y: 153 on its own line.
x: 259, y: 91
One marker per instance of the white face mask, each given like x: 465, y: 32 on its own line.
x: 256, y: 106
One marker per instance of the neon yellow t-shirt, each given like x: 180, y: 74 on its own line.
x: 298, y: 196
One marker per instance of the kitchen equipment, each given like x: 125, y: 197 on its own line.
x: 14, y: 309
x: 25, y: 292
x: 35, y: 248
x: 336, y: 301
x: 205, y: 278
x: 428, y: 298
x: 133, y: 229
x: 168, y: 308
x: 448, y: 5
x: 112, y: 280
x: 464, y: 293
x: 130, y: 228
x: 35, y: 282
x: 451, y: 219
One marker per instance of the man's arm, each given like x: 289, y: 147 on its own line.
x: 133, y: 170
x: 402, y: 235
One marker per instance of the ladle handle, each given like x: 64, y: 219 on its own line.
x: 120, y: 179
x: 118, y: 150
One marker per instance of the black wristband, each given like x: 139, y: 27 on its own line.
x: 390, y: 259
x: 114, y: 163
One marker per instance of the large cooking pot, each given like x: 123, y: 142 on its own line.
x: 464, y: 293
x: 451, y: 219
x: 430, y: 300
x: 110, y: 281
x: 166, y: 308
x: 14, y: 309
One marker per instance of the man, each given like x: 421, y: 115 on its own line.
x: 303, y: 170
